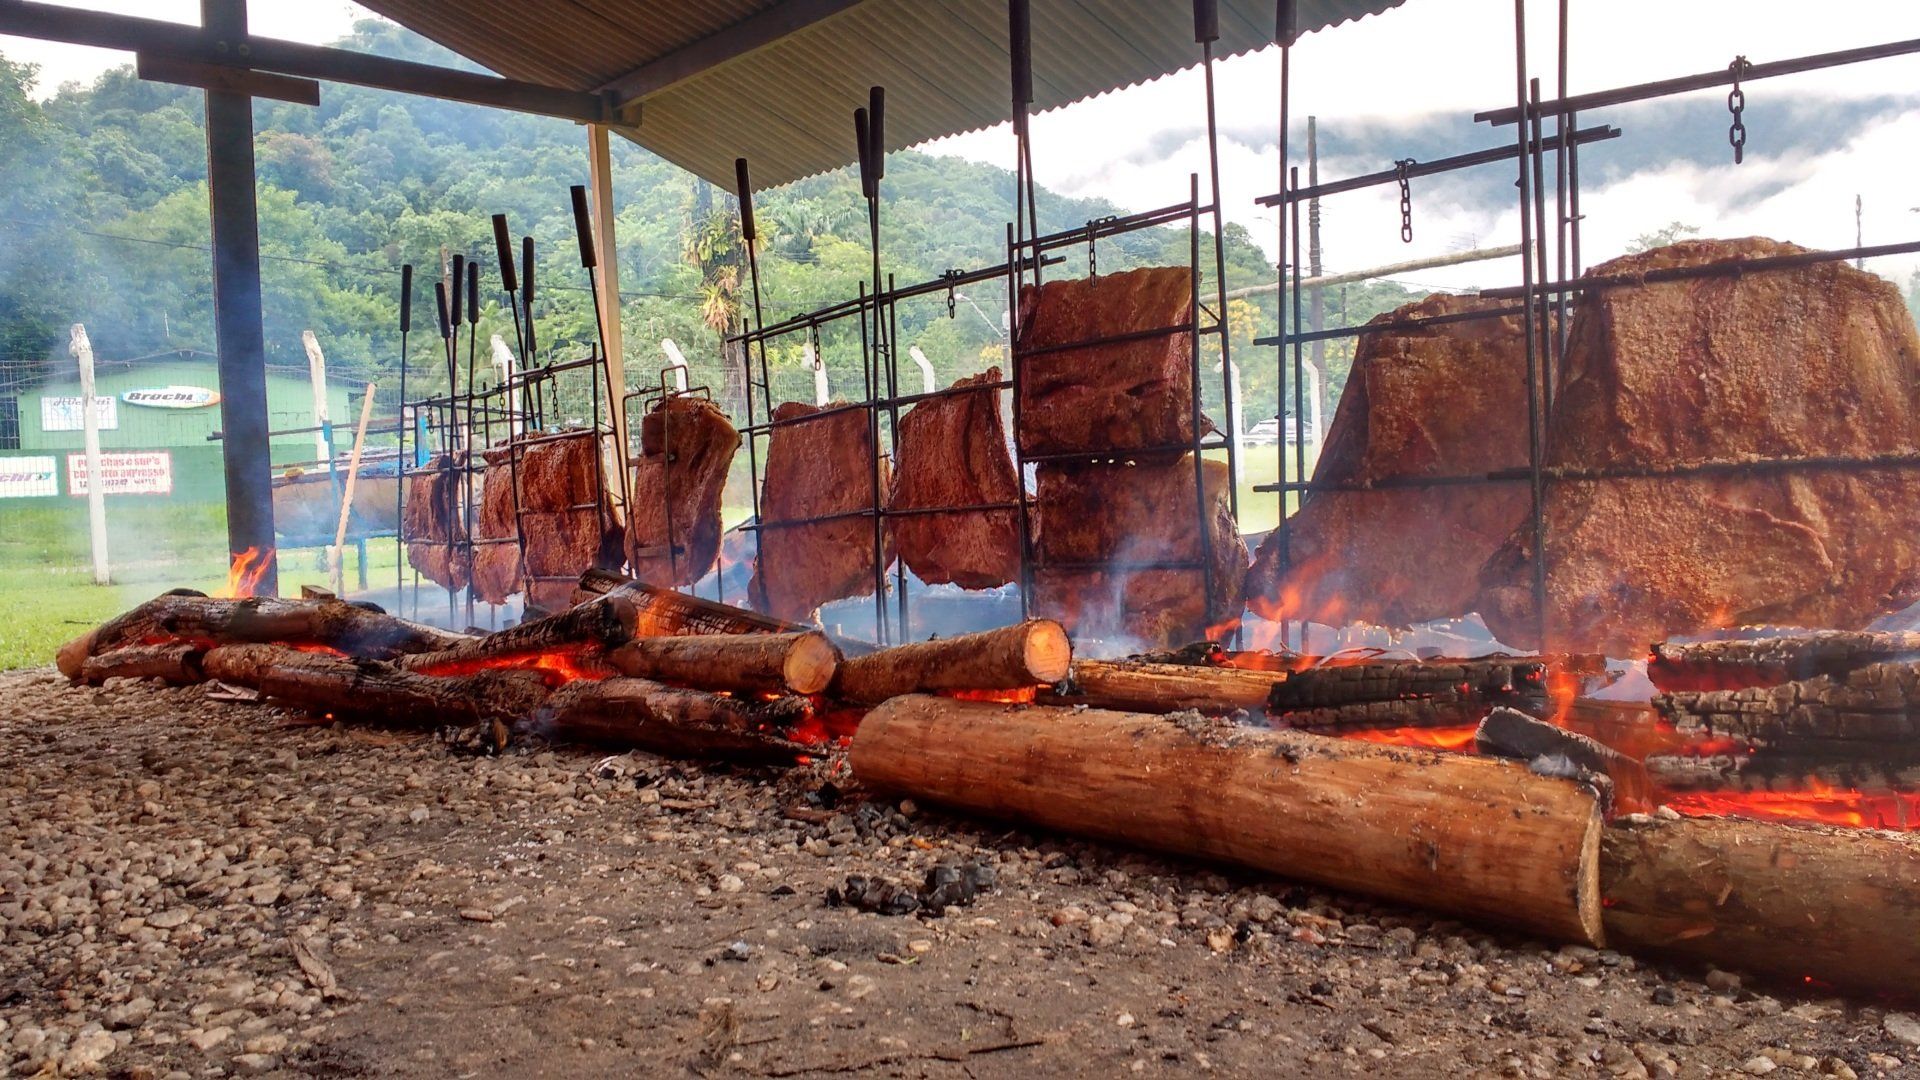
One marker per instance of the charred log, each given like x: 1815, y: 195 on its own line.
x: 363, y: 632
x: 376, y: 690
x: 1510, y: 733
x: 642, y: 714
x: 663, y: 612
x: 1751, y: 662
x: 802, y: 663
x: 1747, y: 773
x: 1163, y: 688
x: 176, y: 663
x: 1346, y: 684
x: 596, y: 627
x: 1474, y: 837
x: 1870, y: 710
x: 1839, y: 907
x: 1032, y: 653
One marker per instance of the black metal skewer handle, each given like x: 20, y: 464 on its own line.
x: 743, y: 187
x: 440, y: 297
x: 583, y: 225
x: 406, y: 297
x: 503, y: 247
x: 863, y: 141
x: 473, y: 293
x: 1206, y: 21
x: 877, y: 134
x: 453, y: 288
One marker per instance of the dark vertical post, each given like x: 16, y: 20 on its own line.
x: 236, y: 306
x: 1316, y: 296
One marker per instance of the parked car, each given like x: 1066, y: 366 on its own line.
x: 1268, y: 432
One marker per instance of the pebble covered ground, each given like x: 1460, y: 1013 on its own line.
x: 191, y: 888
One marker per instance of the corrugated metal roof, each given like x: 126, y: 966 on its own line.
x: 787, y: 106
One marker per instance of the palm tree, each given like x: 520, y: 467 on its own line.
x: 712, y: 245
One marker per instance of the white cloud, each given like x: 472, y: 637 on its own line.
x: 1431, y: 60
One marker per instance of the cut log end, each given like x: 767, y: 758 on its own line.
x: 811, y: 663
x: 1048, y: 652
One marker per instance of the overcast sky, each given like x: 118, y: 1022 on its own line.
x: 1440, y: 60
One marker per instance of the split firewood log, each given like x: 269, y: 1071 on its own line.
x: 1475, y: 837
x: 188, y: 617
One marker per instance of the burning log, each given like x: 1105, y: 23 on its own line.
x: 1439, y: 710
x: 1164, y: 688
x: 1826, y: 905
x: 596, y: 627
x: 174, y: 662
x: 375, y: 690
x: 1510, y: 733
x: 188, y: 617
x: 663, y: 612
x: 1751, y: 662
x: 645, y: 715
x: 1029, y: 654
x: 1786, y: 773
x: 1870, y: 710
x: 1346, y: 684
x: 802, y: 663
x: 1475, y: 837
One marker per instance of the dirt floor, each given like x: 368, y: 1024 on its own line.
x: 190, y: 888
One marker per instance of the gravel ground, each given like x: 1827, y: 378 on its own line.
x: 190, y: 888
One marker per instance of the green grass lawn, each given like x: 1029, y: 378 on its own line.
x: 47, y: 594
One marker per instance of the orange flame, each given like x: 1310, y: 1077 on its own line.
x: 247, y: 570
x: 558, y: 665
x: 1025, y: 695
x: 1456, y: 738
x: 1818, y: 803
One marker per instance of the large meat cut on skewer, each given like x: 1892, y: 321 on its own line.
x: 432, y: 525
x: 1100, y: 526
x: 820, y: 464
x: 497, y: 567
x: 1133, y: 394
x: 952, y: 452
x: 1441, y: 400
x: 1821, y: 360
x: 687, y: 446
x: 566, y: 516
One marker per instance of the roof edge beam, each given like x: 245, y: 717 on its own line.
x: 754, y: 32
x: 128, y: 33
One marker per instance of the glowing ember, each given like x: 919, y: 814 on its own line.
x: 248, y: 569
x: 1456, y: 738
x: 1816, y: 805
x: 558, y: 665
x: 1024, y: 696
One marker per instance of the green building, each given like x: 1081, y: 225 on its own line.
x: 156, y: 415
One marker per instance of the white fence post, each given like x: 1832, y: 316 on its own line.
x: 82, y: 350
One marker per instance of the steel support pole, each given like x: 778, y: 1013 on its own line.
x: 237, y: 312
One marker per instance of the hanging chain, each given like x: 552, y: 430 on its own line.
x: 1093, y: 261
x: 1406, y: 201
x: 951, y: 276
x: 1737, y: 104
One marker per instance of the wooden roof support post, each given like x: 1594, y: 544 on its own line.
x: 236, y: 310
x: 600, y: 179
